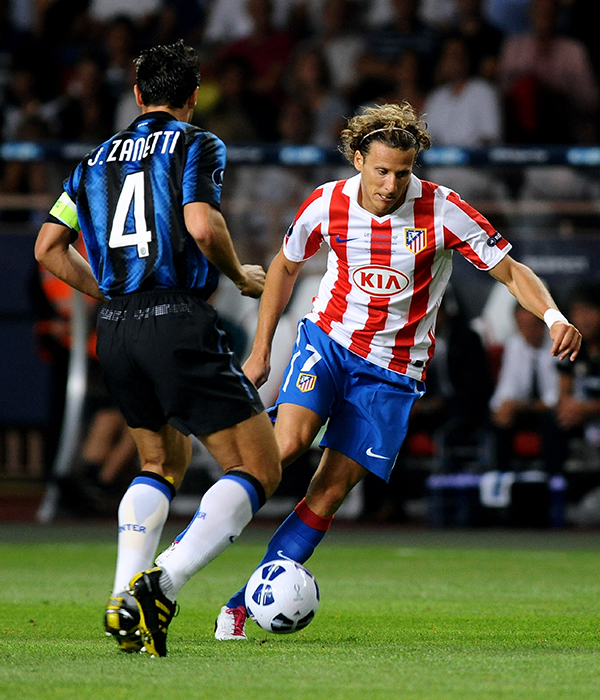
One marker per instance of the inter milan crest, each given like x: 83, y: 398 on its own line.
x: 306, y: 382
x: 416, y: 239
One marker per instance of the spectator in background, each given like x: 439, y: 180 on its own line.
x: 342, y: 42
x: 463, y: 110
x: 459, y: 384
x: 549, y: 87
x: 527, y: 393
x: 143, y: 12
x: 279, y: 190
x: 266, y: 49
x: 408, y: 81
x: 105, y: 465
x: 578, y: 14
x: 24, y: 118
x: 439, y: 14
x: 126, y: 108
x: 309, y: 83
x: 52, y: 302
x: 578, y: 410
x: 227, y: 21
x: 578, y: 407
x: 295, y: 123
x: 86, y: 111
x: 385, y: 44
x: 231, y: 20
x: 509, y: 16
x: 405, y: 31
x: 21, y: 101
x: 238, y: 115
x: 482, y: 39
x: 182, y: 19
x: 15, y: 44
x: 119, y: 46
x: 67, y: 33
x: 26, y: 176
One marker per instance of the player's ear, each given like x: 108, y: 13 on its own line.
x: 358, y: 160
x: 138, y: 96
x: 192, y: 100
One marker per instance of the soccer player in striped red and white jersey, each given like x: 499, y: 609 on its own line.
x: 361, y: 354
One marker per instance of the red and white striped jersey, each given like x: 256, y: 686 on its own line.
x: 386, y: 275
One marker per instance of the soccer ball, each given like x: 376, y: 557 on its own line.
x: 282, y: 596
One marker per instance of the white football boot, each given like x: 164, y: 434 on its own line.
x: 231, y: 623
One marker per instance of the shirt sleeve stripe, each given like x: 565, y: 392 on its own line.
x: 478, y: 218
x: 315, y: 195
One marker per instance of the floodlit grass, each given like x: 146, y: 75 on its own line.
x: 414, y: 623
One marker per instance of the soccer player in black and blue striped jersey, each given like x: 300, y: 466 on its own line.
x: 147, y: 203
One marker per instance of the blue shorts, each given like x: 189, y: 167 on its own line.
x: 367, y: 406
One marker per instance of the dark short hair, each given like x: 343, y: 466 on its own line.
x: 167, y: 74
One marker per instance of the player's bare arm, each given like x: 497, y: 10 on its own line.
x: 279, y: 284
x: 533, y: 295
x: 208, y: 228
x: 54, y: 251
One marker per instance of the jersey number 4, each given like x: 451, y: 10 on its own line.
x: 131, y: 192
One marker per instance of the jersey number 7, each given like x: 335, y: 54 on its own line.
x: 131, y: 192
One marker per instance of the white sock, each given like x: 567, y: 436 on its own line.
x: 142, y: 514
x: 225, y: 510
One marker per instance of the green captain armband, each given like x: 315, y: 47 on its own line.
x: 65, y: 211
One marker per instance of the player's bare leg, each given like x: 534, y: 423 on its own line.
x: 335, y: 477
x: 166, y: 453
x: 251, y: 447
x: 295, y: 430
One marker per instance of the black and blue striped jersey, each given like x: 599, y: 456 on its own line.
x: 127, y: 198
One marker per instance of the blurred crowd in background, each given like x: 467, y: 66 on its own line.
x: 519, y: 71
x: 483, y: 72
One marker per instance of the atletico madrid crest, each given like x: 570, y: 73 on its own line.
x: 416, y: 239
x: 306, y: 382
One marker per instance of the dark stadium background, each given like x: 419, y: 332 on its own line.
x: 65, y: 71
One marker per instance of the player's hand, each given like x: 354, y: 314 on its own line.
x: 257, y: 369
x: 567, y: 340
x: 254, y: 281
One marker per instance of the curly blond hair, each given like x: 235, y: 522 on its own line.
x: 395, y: 125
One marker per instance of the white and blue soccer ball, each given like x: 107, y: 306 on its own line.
x: 282, y: 596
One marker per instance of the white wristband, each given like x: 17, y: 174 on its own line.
x: 552, y: 316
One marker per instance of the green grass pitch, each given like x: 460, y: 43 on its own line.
x: 413, y: 616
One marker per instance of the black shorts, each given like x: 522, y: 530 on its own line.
x: 167, y: 360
